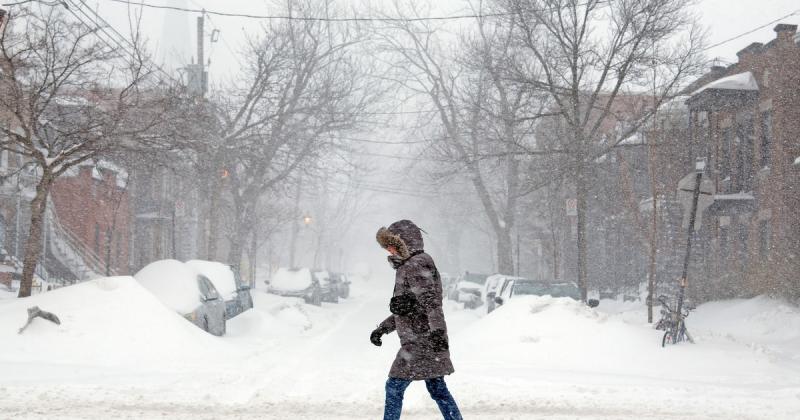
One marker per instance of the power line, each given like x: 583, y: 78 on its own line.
x: 751, y: 31
x: 314, y: 19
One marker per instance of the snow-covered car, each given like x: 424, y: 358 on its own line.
x: 343, y: 284
x: 296, y: 282
x: 469, y: 294
x: 228, y: 283
x: 187, y: 292
x: 329, y: 285
x: 525, y: 287
x: 491, y: 289
x: 476, y: 278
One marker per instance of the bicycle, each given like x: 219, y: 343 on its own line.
x: 673, y: 323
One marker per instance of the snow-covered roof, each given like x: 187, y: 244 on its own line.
x: 737, y: 196
x: 797, y: 161
x: 739, y: 81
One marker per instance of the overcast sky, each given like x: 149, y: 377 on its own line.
x: 173, y: 33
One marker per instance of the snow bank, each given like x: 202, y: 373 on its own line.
x: 220, y: 275
x: 108, y: 321
x: 286, y: 279
x: 172, y: 281
x: 565, y: 335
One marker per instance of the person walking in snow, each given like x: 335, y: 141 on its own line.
x: 417, y: 316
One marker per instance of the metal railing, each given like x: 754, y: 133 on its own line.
x: 85, y: 262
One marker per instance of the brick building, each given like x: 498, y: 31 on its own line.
x: 92, y: 205
x: 745, y: 119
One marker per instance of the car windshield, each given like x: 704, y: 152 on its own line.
x: 529, y: 288
x: 564, y: 290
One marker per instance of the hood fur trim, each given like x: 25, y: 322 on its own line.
x: 386, y: 238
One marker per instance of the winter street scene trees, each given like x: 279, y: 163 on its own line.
x: 348, y: 209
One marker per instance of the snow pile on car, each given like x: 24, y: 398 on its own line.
x: 286, y: 279
x: 109, y: 321
x: 220, y: 275
x: 174, y: 282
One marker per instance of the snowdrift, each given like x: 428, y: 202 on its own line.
x: 559, y: 334
x: 108, y: 321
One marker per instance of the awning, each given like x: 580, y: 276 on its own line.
x: 728, y: 92
x: 732, y: 204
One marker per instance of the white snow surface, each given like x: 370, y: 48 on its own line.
x: 286, y: 279
x: 739, y: 81
x: 172, y: 281
x: 120, y: 354
x: 219, y: 274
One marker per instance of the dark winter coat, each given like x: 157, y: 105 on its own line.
x: 416, y: 306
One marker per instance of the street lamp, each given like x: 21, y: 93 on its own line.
x: 307, y: 220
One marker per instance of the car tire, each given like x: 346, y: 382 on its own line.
x: 345, y: 292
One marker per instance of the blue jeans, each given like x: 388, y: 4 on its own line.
x: 395, y: 388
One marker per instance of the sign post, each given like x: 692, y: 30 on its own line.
x: 694, y: 214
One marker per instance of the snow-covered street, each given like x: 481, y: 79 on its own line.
x: 118, y: 354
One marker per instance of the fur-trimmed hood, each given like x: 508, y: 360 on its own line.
x: 404, y: 235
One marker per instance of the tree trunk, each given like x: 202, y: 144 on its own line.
x: 33, y: 245
x: 581, y: 193
x: 505, y: 260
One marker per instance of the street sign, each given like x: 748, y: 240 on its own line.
x: 706, y: 198
x: 572, y: 207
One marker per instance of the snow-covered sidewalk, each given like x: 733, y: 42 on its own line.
x: 120, y: 354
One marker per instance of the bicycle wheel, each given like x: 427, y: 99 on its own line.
x: 667, y: 339
x: 688, y: 337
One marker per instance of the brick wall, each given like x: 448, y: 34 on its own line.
x: 92, y: 206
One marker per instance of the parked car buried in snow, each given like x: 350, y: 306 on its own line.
x: 342, y: 283
x: 469, y: 294
x: 329, y: 285
x: 228, y: 283
x: 453, y: 292
x: 185, y: 291
x: 296, y: 282
x: 520, y: 287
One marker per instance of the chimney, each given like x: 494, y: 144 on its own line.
x: 784, y: 31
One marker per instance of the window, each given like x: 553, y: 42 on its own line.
x: 723, y: 243
x: 744, y: 168
x: 726, y: 154
x: 764, y: 238
x: 96, y: 238
x: 743, y: 238
x: 766, y: 137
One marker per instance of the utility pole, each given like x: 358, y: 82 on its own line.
x: 203, y: 76
x: 295, y: 225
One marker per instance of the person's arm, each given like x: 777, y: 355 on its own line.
x: 424, y: 283
x: 387, y: 325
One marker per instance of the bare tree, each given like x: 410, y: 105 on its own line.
x: 69, y: 97
x: 485, y: 117
x: 590, y: 56
x: 300, y: 86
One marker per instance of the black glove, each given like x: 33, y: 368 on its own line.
x: 403, y: 304
x: 438, y: 341
x: 375, y: 337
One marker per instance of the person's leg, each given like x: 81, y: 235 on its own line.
x: 395, y: 388
x: 447, y: 405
